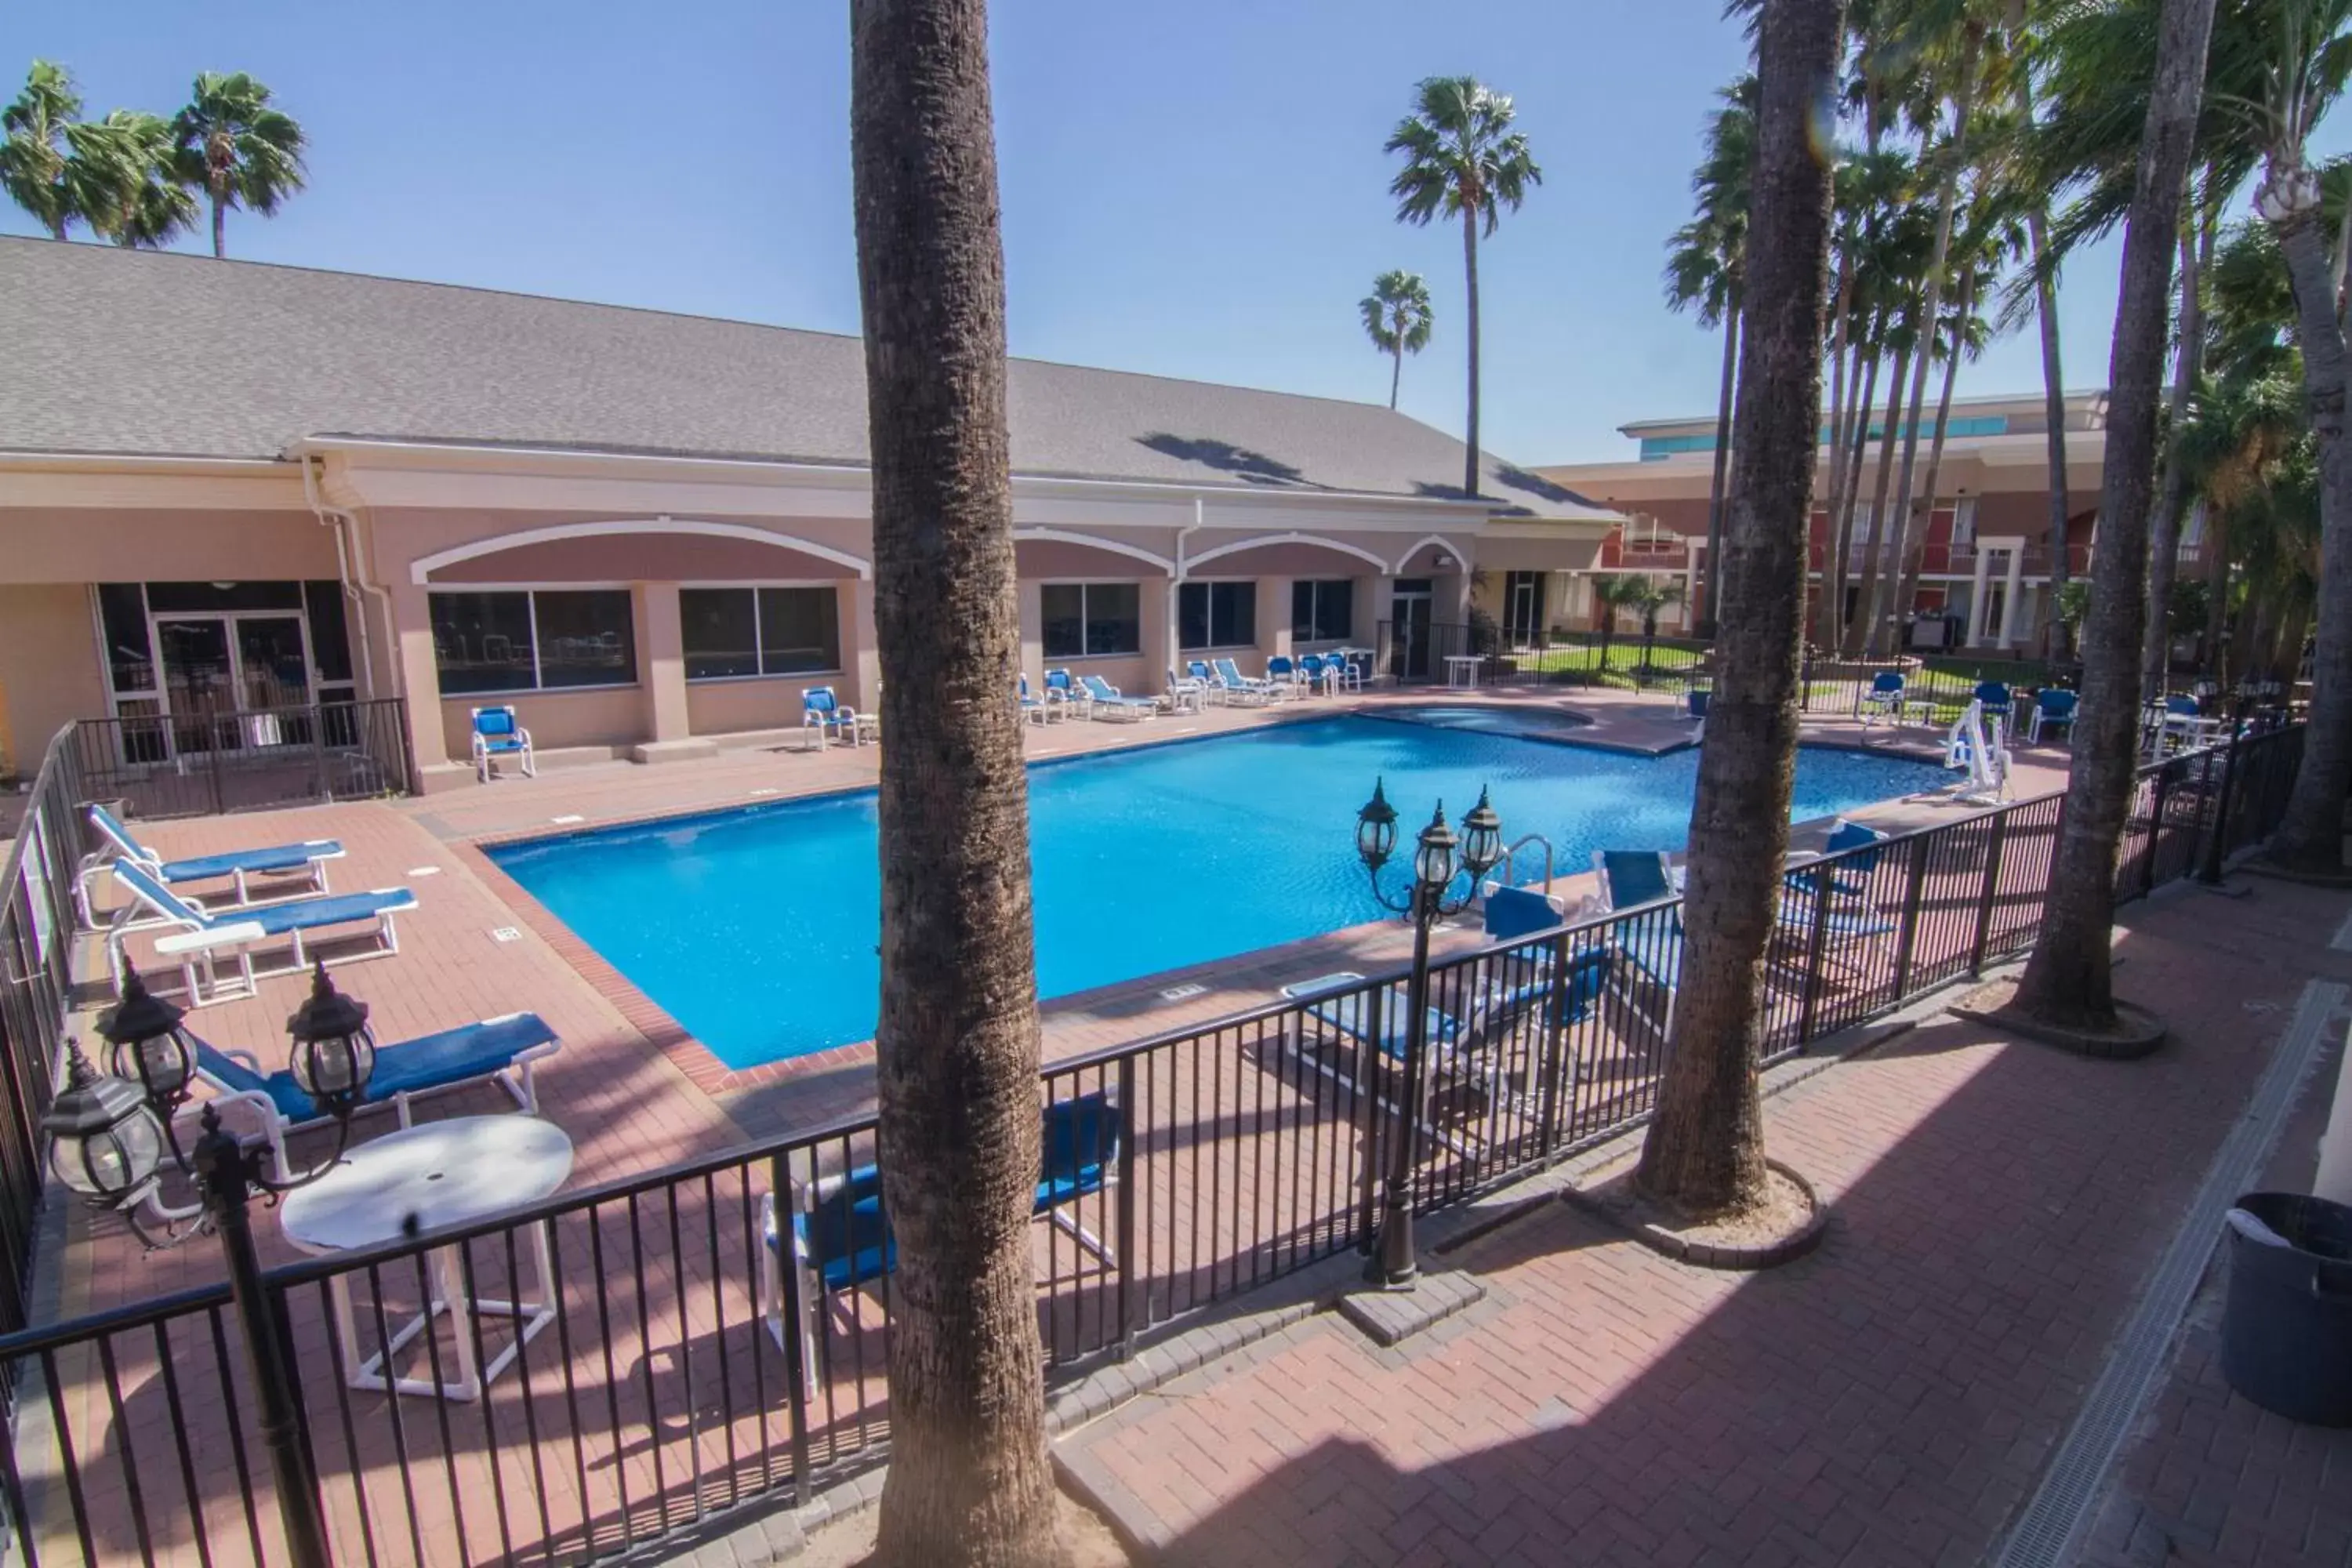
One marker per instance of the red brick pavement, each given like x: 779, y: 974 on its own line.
x: 1890, y: 1400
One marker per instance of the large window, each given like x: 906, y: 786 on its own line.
x: 1216, y: 615
x: 1322, y: 610
x: 536, y: 640
x: 735, y: 632
x: 1087, y: 620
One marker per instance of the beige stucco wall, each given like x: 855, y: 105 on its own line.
x: 607, y: 716
x: 763, y: 702
x: 106, y: 544
x: 48, y: 667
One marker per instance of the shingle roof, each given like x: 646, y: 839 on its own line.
x: 120, y: 352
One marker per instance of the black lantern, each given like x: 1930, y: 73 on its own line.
x: 1376, y: 828
x: 1432, y: 861
x: 334, y: 1050
x: 1482, y: 838
x: 146, y: 1044
x: 105, y: 1140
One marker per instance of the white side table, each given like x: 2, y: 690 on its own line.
x: 443, y: 1172
x: 194, y: 947
x: 1462, y: 669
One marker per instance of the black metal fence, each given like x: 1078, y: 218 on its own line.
x: 211, y: 762
x: 37, y: 937
x: 1219, y: 1158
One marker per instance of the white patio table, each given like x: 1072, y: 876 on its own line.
x: 444, y: 1173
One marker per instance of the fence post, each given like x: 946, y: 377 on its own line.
x: 2159, y: 796
x: 2217, y: 836
x: 1128, y: 1326
x: 1991, y: 891
x: 1368, y: 1199
x: 1816, y: 951
x: 212, y: 758
x: 1555, y: 1039
x: 1914, y: 896
x: 797, y: 1372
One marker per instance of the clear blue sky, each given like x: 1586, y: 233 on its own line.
x: 1196, y: 191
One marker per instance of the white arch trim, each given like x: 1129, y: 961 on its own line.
x: 1264, y: 540
x: 1442, y: 543
x: 421, y: 570
x: 1115, y: 546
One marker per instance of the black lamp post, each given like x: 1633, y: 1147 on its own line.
x: 108, y: 1138
x: 1438, y: 859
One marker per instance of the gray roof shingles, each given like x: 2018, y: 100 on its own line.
x: 104, y: 351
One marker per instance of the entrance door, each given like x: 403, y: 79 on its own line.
x: 1523, y: 608
x: 1409, y: 660
x: 216, y: 667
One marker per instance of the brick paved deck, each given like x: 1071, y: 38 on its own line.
x: 1889, y: 1401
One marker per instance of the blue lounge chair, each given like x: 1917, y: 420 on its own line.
x: 841, y: 1239
x: 824, y: 717
x: 1282, y: 670
x: 1346, y: 673
x: 1211, y: 688
x: 504, y: 1050
x: 199, y: 935
x: 2053, y: 710
x: 1105, y: 701
x: 1997, y: 700
x: 1885, y: 697
x: 1186, y: 694
x: 1038, y: 710
x: 498, y: 733
x: 1633, y: 880
x: 1060, y: 687
x: 1240, y: 688
x: 1515, y: 913
x: 279, y: 861
x: 1852, y: 877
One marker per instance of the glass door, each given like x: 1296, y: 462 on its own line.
x: 199, y: 679
x: 1523, y: 607
x: 273, y: 675
x: 1409, y: 657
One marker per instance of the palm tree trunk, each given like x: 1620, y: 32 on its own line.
x: 1837, y: 443
x: 1715, y: 496
x: 2311, y: 838
x: 1470, y: 275
x: 1396, y: 373
x: 2069, y: 979
x: 1882, y: 499
x: 2172, y: 489
x: 1947, y: 202
x: 2216, y: 641
x: 1831, y: 631
x: 220, y: 227
x: 970, y: 1482
x: 1915, y: 531
x: 1705, y: 1151
x: 2054, y: 400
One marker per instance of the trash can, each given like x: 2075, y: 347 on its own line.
x: 2286, y: 1332
x: 1696, y: 697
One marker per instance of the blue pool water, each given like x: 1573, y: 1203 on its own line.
x: 756, y: 928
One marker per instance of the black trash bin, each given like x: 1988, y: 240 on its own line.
x: 2287, y: 1334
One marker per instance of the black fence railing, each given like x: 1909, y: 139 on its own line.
x: 717, y: 1329
x: 215, y: 761
x: 37, y: 937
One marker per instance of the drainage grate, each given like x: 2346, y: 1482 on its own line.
x: 424, y: 871
x: 2060, y: 1505
x: 506, y: 933
x: 1184, y: 993
x: 567, y: 818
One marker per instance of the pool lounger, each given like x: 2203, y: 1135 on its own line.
x: 200, y: 935
x: 503, y: 1051
x: 277, y: 861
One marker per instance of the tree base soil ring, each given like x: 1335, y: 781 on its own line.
x: 2137, y: 1032
x: 1790, y: 1224
x: 2263, y: 867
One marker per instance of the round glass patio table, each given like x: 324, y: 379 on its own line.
x: 441, y: 1173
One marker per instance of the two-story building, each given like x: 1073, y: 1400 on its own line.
x: 230, y: 486
x: 1989, y: 552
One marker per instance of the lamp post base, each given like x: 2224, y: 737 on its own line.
x: 1394, y: 1266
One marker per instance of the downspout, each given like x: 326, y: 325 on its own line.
x: 337, y: 521
x: 1176, y: 585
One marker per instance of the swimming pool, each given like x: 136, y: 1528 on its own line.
x: 755, y: 927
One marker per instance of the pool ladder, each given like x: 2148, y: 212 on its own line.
x: 1510, y: 873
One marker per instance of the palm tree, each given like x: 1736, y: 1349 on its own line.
x: 150, y: 206
x: 59, y: 168
x: 2069, y: 978
x: 956, y: 1044
x: 1613, y: 592
x: 1462, y: 159
x: 2309, y: 68
x: 237, y: 149
x: 1652, y: 598
x: 1398, y: 318
x: 1703, y: 269
x: 1704, y: 1149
